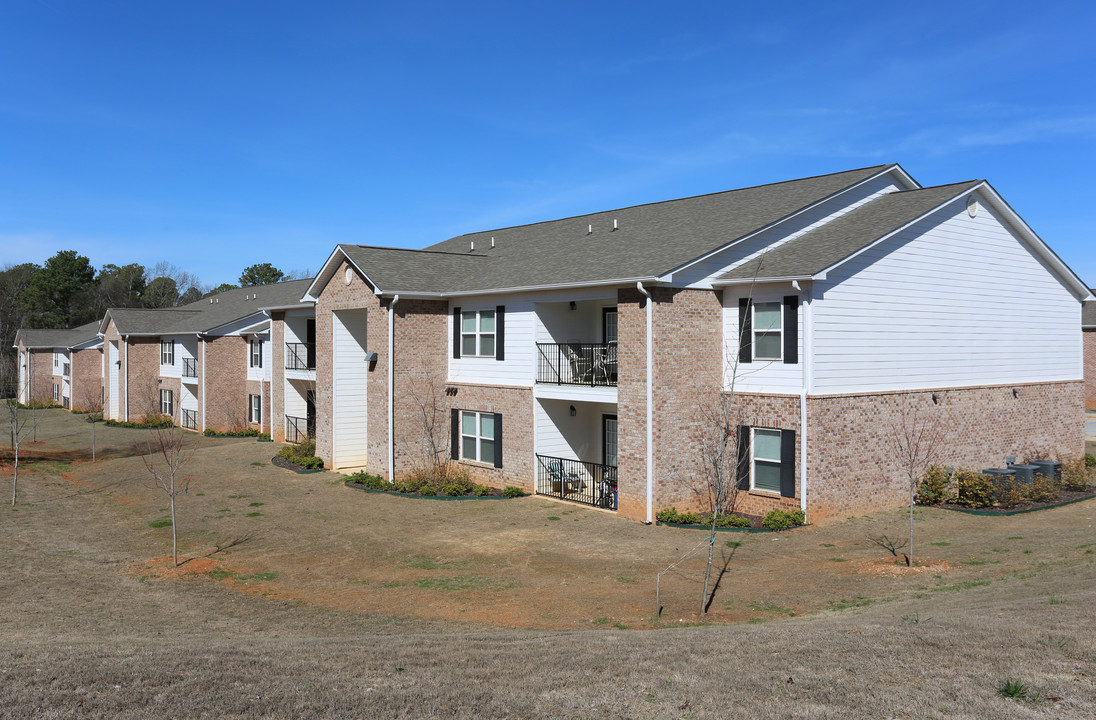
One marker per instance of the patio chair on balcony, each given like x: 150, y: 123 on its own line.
x: 605, y: 364
x: 581, y: 365
x: 563, y: 483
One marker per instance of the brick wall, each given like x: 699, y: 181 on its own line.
x: 358, y: 294
x: 632, y: 405
x: 852, y: 466
x: 223, y: 379
x: 277, y: 388
x: 516, y: 406
x: 40, y: 377
x: 421, y: 352
x: 141, y: 372
x: 779, y: 412
x: 87, y: 379
x: 1088, y: 338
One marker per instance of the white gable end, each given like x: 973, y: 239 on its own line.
x: 952, y: 300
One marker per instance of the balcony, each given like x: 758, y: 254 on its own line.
x: 190, y: 368
x: 590, y: 364
x: 300, y: 356
x: 190, y: 419
x: 299, y: 429
x: 577, y: 481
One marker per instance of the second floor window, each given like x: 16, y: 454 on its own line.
x: 477, y: 332
x: 767, y: 329
x: 256, y: 353
x: 167, y: 352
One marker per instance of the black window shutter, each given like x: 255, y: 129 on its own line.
x: 498, y: 440
x: 456, y: 335
x: 454, y: 425
x: 743, y: 467
x: 500, y: 333
x: 259, y: 343
x: 745, y: 330
x: 787, y: 463
x: 791, y: 329
x: 172, y: 352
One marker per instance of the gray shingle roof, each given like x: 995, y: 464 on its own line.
x: 813, y: 252
x: 649, y: 240
x: 57, y: 338
x: 203, y: 315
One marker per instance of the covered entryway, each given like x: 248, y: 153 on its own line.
x: 350, y: 375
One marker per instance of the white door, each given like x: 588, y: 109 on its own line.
x: 113, y: 371
x: 350, y: 373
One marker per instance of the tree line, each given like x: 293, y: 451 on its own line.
x: 67, y: 291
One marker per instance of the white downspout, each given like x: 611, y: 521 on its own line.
x: 125, y: 395
x: 205, y: 397
x: 808, y: 386
x: 650, y: 406
x: 391, y: 387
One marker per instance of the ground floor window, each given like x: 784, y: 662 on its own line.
x: 167, y: 403
x: 254, y: 408
x: 56, y: 392
x: 766, y: 460
x: 477, y: 436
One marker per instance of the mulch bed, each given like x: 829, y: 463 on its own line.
x: 496, y: 493
x: 1064, y: 498
x: 283, y: 463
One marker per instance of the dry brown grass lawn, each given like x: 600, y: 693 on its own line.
x: 346, y: 604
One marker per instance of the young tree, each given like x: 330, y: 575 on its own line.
x: 164, y: 457
x: 428, y: 394
x: 92, y: 403
x: 914, y: 440
x: 17, y: 421
x: 260, y: 274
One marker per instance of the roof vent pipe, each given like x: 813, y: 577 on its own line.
x: 589, y: 229
x: 492, y: 241
x: 473, y: 245
x: 614, y: 224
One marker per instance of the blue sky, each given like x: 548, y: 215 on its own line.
x: 218, y: 135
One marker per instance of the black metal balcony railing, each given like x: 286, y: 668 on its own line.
x: 190, y: 419
x: 299, y: 429
x: 300, y: 356
x: 578, y: 481
x: 577, y: 364
x: 67, y: 369
x: 190, y: 367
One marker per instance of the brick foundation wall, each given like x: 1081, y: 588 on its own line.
x: 516, y: 406
x: 780, y: 412
x: 852, y: 468
x: 225, y: 383
x: 87, y: 379
x: 1088, y: 338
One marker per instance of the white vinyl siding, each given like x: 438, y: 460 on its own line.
x: 351, y: 374
x: 573, y: 437
x: 760, y: 375
x: 114, y: 372
x: 950, y: 301
x: 258, y: 358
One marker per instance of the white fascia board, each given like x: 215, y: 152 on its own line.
x: 1066, y: 274
x: 103, y: 323
x: 299, y: 306
x: 531, y: 288
x: 87, y: 344
x: 238, y: 326
x: 760, y: 280
x: 902, y: 176
x: 327, y: 271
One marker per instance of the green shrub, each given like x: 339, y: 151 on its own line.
x: 671, y: 515
x: 726, y: 520
x: 1090, y: 461
x: 427, y: 489
x: 482, y: 490
x: 511, y: 491
x: 932, y: 488
x: 453, y: 489
x: 783, y: 519
x: 373, y: 482
x: 303, y: 455
x: 1007, y: 491
x: 973, y: 490
x: 1076, y: 473
x: 148, y: 420
x: 1043, y: 489
x: 247, y: 432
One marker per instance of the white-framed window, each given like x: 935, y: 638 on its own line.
x: 477, y: 436
x: 167, y: 403
x: 477, y: 333
x: 56, y: 392
x: 167, y: 352
x: 765, y: 460
x: 254, y: 408
x: 768, y: 330
x: 256, y: 353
